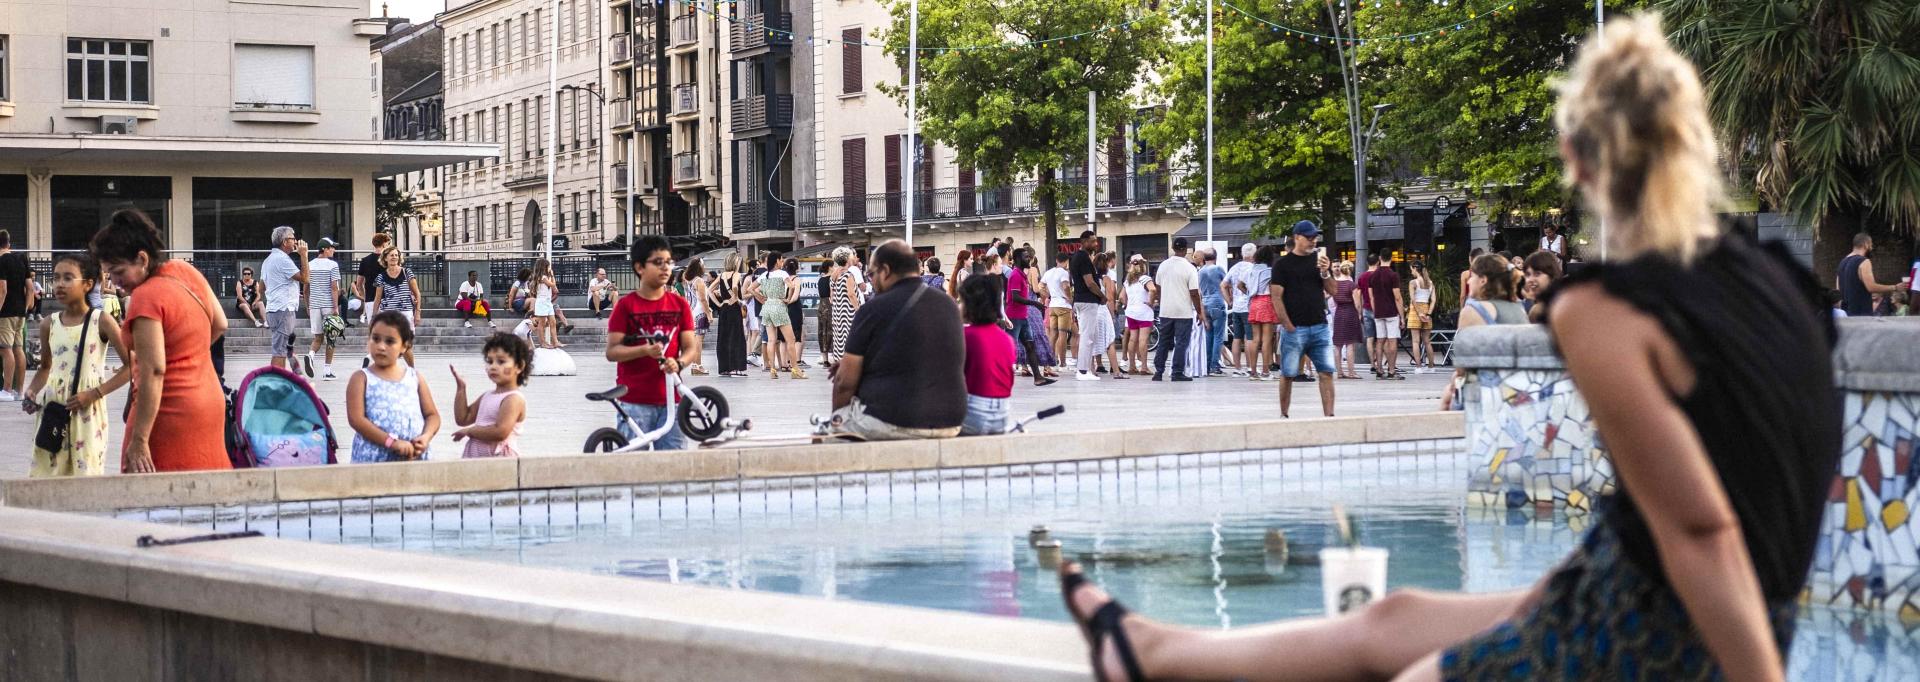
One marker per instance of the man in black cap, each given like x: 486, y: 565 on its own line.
x: 1088, y: 299
x: 1302, y: 281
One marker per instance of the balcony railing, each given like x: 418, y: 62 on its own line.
x: 621, y: 47
x: 686, y: 99
x: 951, y: 203
x: 762, y: 112
x: 686, y: 168
x: 756, y: 31
x: 762, y: 216
x: 686, y: 30
x: 621, y: 112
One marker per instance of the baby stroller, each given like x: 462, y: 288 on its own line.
x: 280, y: 422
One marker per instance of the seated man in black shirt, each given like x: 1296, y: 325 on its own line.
x: 902, y: 375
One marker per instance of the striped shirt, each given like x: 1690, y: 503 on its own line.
x: 323, y: 284
x: 396, y: 293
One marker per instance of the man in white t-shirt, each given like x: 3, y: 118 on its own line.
x: 323, y: 299
x: 1237, y: 292
x: 600, y: 293
x: 1060, y: 323
x: 284, y: 275
x: 1178, y: 300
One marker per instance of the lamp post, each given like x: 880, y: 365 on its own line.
x: 1363, y: 145
x: 600, y: 174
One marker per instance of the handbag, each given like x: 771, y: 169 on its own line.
x: 56, y: 421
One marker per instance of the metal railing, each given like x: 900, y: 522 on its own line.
x: 761, y: 216
x: 951, y: 203
x: 686, y: 30
x: 761, y: 112
x: 686, y: 167
x: 686, y: 99
x: 756, y: 31
x: 620, y: 47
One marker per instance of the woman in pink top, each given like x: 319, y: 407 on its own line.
x: 491, y: 425
x: 989, y: 364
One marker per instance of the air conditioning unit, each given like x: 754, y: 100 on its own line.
x: 119, y: 125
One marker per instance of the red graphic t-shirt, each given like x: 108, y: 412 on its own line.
x: 636, y: 316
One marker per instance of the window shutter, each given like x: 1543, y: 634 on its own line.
x: 892, y: 145
x: 1117, y: 170
x: 966, y: 191
x: 853, y: 178
x: 273, y: 75
x: 850, y: 61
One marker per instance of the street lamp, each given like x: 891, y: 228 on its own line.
x: 1363, y: 145
x: 600, y: 174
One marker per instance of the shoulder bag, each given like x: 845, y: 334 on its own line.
x: 56, y: 420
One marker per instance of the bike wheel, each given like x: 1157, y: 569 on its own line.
x: 697, y: 426
x: 605, y: 440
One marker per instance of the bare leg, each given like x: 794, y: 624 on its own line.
x: 1403, y: 628
x: 1286, y: 395
x: 1326, y: 394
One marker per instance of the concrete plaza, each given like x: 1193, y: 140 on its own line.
x: 560, y: 419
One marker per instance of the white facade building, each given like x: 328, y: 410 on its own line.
x: 220, y: 119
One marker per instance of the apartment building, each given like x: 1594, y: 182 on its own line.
x: 669, y: 107
x: 495, y: 77
x: 220, y: 120
x: 409, y: 95
x: 851, y: 157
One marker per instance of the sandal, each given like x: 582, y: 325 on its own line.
x: 1104, y: 624
x: 1045, y: 381
x: 797, y: 374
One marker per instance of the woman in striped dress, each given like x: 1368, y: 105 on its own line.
x: 396, y: 289
x: 846, y: 302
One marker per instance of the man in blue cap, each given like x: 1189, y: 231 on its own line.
x: 1302, y: 281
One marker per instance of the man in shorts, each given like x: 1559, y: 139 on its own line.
x: 283, y: 277
x: 1384, y: 290
x: 1302, y: 281
x: 14, y: 273
x: 1236, y: 292
x: 1061, y: 326
x: 323, y: 295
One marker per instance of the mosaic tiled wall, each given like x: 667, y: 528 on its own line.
x: 1532, y: 427
x: 1869, y: 549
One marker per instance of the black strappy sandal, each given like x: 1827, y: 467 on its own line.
x: 1104, y: 624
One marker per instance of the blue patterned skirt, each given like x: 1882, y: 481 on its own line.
x: 1600, y: 618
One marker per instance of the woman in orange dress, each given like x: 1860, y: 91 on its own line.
x: 177, y: 420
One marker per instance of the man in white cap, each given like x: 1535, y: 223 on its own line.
x: 323, y: 299
x: 283, y: 277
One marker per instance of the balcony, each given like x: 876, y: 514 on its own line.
x: 686, y: 100
x: 686, y: 31
x: 757, y: 33
x: 761, y: 114
x: 620, y: 47
x: 686, y: 169
x: 620, y: 113
x: 762, y: 216
x: 954, y: 204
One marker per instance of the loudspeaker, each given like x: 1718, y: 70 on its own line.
x: 1417, y: 229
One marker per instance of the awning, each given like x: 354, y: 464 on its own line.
x: 390, y: 157
x: 1233, y: 229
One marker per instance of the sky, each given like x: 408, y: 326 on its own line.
x: 417, y: 10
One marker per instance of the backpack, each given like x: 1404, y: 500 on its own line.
x: 280, y: 422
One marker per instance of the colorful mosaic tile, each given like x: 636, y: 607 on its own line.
x: 1543, y: 450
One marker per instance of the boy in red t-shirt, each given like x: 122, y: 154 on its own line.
x: 650, y: 312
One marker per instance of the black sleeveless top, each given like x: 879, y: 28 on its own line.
x: 1752, y: 323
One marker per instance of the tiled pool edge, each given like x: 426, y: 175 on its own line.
x: 517, y: 618
x: 108, y: 493
x: 1531, y: 426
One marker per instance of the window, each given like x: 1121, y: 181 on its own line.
x: 3, y: 70
x: 272, y: 77
x: 109, y: 70
x: 850, y: 61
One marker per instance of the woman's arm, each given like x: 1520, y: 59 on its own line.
x: 1618, y: 357
x: 511, y: 410
x: 414, y: 284
x: 150, y: 349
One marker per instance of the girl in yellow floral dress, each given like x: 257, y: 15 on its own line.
x: 61, y: 346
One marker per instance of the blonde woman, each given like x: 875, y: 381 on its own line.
x: 728, y: 303
x: 1420, y: 318
x: 1717, y: 408
x: 1139, y: 312
x: 545, y: 333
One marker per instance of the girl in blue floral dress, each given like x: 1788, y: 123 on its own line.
x: 388, y: 406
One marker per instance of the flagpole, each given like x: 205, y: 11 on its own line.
x: 553, y: 124
x: 913, y: 110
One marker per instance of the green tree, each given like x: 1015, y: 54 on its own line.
x: 390, y: 209
x: 1815, y: 98
x: 1019, y: 111
x: 1280, y: 112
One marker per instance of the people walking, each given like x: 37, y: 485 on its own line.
x: 284, y: 274
x: 1213, y: 301
x: 396, y: 290
x: 1386, y: 301
x: 323, y: 297
x: 1301, y: 282
x: 1346, y: 320
x: 1177, y: 298
x: 727, y: 300
x: 369, y: 268
x: 1020, y: 309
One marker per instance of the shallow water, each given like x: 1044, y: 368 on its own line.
x: 1181, y: 538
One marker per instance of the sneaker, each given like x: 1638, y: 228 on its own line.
x: 9, y: 397
x: 1305, y: 378
x: 491, y: 325
x: 803, y: 365
x: 306, y: 363
x: 1085, y: 376
x: 1216, y: 373
x: 1177, y: 377
x: 1156, y: 377
x: 329, y: 375
x: 468, y: 325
